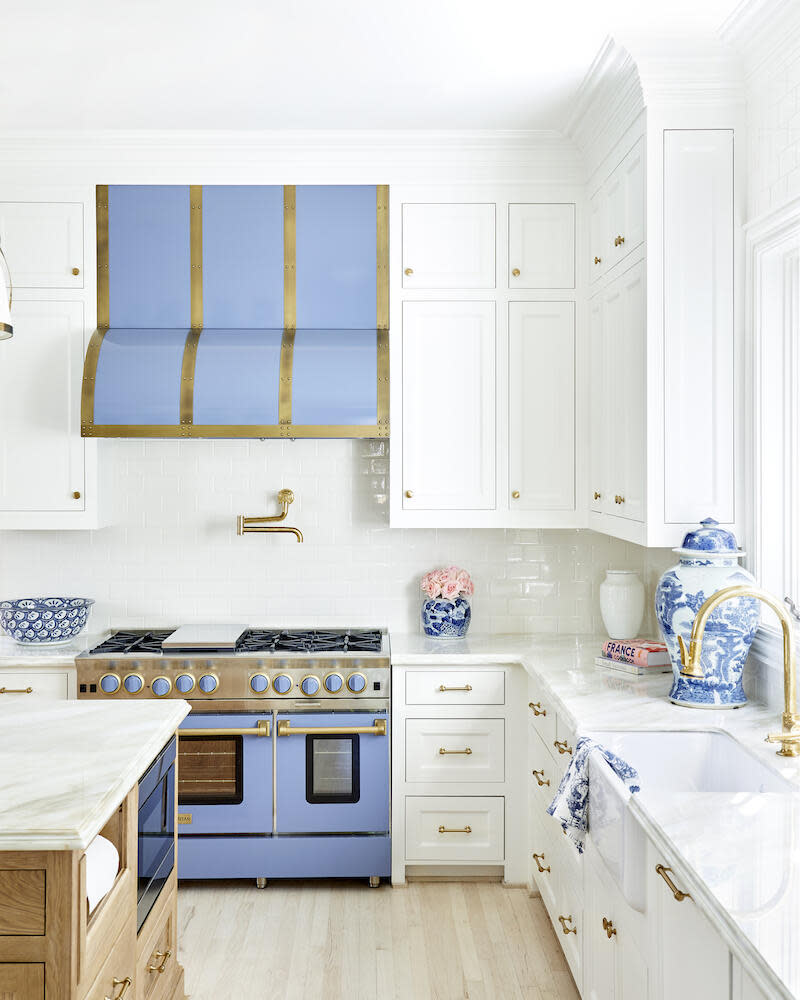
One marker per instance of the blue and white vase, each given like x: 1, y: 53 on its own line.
x: 443, y: 619
x: 708, y: 562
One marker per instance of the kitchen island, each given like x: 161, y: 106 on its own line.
x: 70, y: 771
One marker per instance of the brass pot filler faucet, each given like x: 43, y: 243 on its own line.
x: 789, y: 738
x: 245, y: 525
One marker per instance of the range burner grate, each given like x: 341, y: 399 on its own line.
x: 309, y: 641
x: 132, y: 642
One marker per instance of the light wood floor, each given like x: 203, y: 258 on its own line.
x: 345, y: 941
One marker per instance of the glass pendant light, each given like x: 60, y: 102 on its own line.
x: 6, y: 329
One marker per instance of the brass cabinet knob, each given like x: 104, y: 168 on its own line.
x: 619, y: 499
x: 409, y: 270
x: 76, y: 271
x: 76, y: 495
x: 619, y: 241
x: 609, y: 928
x: 409, y: 494
x: 516, y: 272
x: 515, y: 494
x: 597, y: 495
x: 597, y: 260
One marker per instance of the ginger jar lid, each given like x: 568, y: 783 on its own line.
x: 709, y: 541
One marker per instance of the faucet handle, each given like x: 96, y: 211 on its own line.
x: 690, y: 658
x: 684, y: 651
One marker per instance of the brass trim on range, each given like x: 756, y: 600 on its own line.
x: 101, y: 215
x: 196, y: 254
x: 261, y: 728
x: 285, y: 728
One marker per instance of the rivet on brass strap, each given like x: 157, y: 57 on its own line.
x: 196, y: 254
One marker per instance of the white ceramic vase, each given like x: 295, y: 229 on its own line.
x: 622, y: 603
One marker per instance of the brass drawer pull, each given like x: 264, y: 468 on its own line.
x: 609, y: 928
x: 539, y: 775
x: 597, y: 260
x: 536, y: 708
x: 124, y: 983
x: 165, y: 956
x: 562, y: 746
x: 28, y: 690
x: 619, y: 241
x: 262, y: 728
x: 619, y: 499
x: 597, y: 495
x: 676, y: 892
x: 466, y: 687
x: 539, y: 858
x: 285, y: 728
x: 445, y: 829
x: 564, y: 921
x: 466, y: 750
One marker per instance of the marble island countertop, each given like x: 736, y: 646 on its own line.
x: 42, y: 654
x: 737, y: 854
x: 65, y: 766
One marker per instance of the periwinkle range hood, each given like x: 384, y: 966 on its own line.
x: 240, y: 311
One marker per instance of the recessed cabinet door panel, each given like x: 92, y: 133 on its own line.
x: 599, y: 462
x: 598, y: 236
x: 455, y: 750
x: 624, y: 197
x: 448, y: 246
x: 541, y: 246
x: 449, y: 439
x: 43, y: 242
x: 41, y: 449
x: 541, y: 373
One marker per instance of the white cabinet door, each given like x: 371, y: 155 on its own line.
x: 599, y: 951
x: 449, y: 439
x: 598, y: 235
x: 599, y: 417
x: 43, y: 242
x: 625, y: 205
x: 541, y: 376
x: 41, y: 449
x: 541, y: 246
x: 743, y: 987
x: 448, y: 246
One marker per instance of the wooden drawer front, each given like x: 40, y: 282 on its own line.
x: 157, y: 965
x: 541, y: 714
x: 117, y: 968
x: 14, y: 685
x: 479, y: 823
x: 22, y: 902
x: 453, y: 686
x: 455, y: 750
x: 21, y: 981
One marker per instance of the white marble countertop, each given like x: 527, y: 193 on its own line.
x: 14, y: 654
x: 65, y: 766
x: 738, y: 855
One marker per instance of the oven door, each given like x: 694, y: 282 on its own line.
x: 332, y: 773
x: 225, y: 773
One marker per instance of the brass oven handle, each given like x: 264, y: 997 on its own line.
x: 165, y: 956
x: 262, y: 728
x: 539, y: 775
x: 567, y: 930
x: 676, y: 892
x: 445, y: 829
x: 562, y: 746
x: 466, y: 750
x: 539, y: 858
x: 124, y: 983
x: 27, y: 690
x: 466, y: 687
x: 378, y: 728
x: 536, y: 708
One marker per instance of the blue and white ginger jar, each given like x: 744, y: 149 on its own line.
x: 708, y: 563
x: 444, y: 619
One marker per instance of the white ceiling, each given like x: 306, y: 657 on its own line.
x: 443, y: 64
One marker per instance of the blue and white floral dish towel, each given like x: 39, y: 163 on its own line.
x: 571, y: 803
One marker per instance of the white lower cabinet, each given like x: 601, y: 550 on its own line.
x: 743, y: 986
x: 455, y: 749
x: 24, y: 684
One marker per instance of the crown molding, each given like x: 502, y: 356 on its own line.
x: 762, y: 31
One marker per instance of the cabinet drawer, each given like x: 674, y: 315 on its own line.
x: 455, y: 750
x: 117, y: 968
x: 43, y: 242
x: 157, y: 948
x: 452, y: 686
x: 563, y: 747
x: 451, y: 828
x: 15, y: 684
x: 21, y: 981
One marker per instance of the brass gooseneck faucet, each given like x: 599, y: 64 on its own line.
x: 245, y: 525
x: 789, y: 738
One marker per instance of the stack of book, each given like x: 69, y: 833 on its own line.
x: 634, y: 656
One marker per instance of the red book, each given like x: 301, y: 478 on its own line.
x: 643, y: 654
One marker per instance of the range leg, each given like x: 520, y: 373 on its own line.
x: 261, y: 883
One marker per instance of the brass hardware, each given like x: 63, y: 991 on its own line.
x: 184, y: 819
x: 597, y: 495
x: 516, y: 272
x: 466, y: 750
x: 246, y: 525
x: 76, y: 495
x: 409, y: 494
x: 538, y: 858
x: 188, y: 364
x: 515, y: 495
x: 165, y: 956
x: 541, y: 780
x: 619, y: 499
x: 196, y: 255
x: 466, y: 687
x: 103, y: 304
x: 285, y: 728
x: 444, y: 829
x: 76, y: 271
x: 676, y: 892
x: 564, y: 921
x: 261, y: 728
x: 409, y: 271
x: 562, y: 746
x: 27, y: 690
x: 619, y: 241
x: 597, y: 260
x: 289, y: 257
x: 536, y: 708
x: 382, y: 301
x: 789, y: 737
x: 124, y: 983
x: 609, y: 928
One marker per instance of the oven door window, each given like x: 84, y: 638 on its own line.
x: 332, y: 769
x: 210, y: 770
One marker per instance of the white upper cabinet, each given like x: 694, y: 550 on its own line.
x: 448, y: 245
x: 541, y: 246
x: 625, y: 205
x: 541, y: 405
x: 449, y: 437
x: 43, y: 242
x: 598, y: 236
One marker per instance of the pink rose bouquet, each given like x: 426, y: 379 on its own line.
x: 448, y: 583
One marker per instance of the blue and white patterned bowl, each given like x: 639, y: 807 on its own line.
x: 45, y: 620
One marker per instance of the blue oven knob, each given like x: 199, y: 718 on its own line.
x: 259, y: 683
x: 356, y: 683
x: 208, y: 683
x: 333, y: 683
x: 161, y: 686
x: 184, y: 683
x: 309, y: 685
x: 109, y: 683
x: 282, y: 684
x: 133, y: 683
